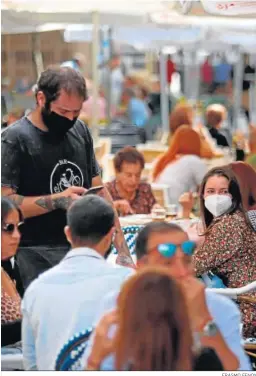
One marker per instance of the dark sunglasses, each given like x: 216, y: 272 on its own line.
x: 169, y: 249
x: 10, y: 227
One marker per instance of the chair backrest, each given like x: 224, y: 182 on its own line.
x: 146, y: 175
x: 151, y: 152
x: 70, y: 355
x: 130, y: 235
x: 102, y: 149
x: 108, y: 168
x: 122, y: 135
x: 150, y: 155
x: 160, y: 192
x: 236, y: 292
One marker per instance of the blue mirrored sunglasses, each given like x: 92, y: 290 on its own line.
x: 169, y: 249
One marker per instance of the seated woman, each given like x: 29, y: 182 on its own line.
x: 246, y: 177
x: 184, y: 114
x: 11, y: 220
x: 129, y: 194
x: 215, y: 115
x: 181, y: 167
x: 229, y: 245
x: 153, y: 330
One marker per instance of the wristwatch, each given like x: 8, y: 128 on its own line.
x: 210, y: 329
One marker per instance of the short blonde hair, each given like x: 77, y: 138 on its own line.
x: 215, y: 114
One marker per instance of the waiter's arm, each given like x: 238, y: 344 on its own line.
x: 124, y: 257
x: 32, y: 206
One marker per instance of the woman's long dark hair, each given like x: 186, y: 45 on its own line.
x: 8, y: 205
x: 154, y: 333
x: 233, y: 189
x: 246, y: 177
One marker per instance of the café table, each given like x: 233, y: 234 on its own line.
x: 132, y: 224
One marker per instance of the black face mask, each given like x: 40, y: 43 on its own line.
x: 58, y: 125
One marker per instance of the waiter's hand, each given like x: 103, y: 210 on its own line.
x: 64, y: 199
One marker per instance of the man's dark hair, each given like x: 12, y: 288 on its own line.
x: 90, y: 219
x: 54, y: 79
x: 152, y: 228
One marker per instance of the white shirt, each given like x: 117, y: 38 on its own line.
x: 183, y: 175
x: 63, y: 301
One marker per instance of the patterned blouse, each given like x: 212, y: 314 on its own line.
x: 10, y: 305
x: 144, y: 199
x: 229, y: 251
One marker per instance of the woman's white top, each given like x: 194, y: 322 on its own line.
x: 183, y: 175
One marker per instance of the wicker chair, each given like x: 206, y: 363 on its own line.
x: 238, y: 294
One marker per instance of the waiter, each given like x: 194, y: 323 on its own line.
x: 48, y: 162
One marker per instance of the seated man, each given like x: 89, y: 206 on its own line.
x: 206, y: 309
x: 64, y: 299
x: 129, y: 194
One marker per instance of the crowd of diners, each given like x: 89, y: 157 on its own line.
x: 157, y: 314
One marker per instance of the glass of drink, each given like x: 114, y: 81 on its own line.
x: 158, y: 214
x: 172, y: 211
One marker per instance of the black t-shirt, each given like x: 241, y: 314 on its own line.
x: 36, y: 165
x: 220, y: 138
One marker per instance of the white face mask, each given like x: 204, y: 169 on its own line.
x: 218, y: 204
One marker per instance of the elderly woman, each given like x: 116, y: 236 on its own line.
x: 129, y: 194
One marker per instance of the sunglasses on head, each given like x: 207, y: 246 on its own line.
x: 169, y: 249
x: 10, y: 227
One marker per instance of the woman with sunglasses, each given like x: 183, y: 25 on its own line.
x: 11, y: 220
x: 229, y: 246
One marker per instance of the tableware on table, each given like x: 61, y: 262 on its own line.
x: 171, y: 211
x: 135, y: 219
x: 158, y: 214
